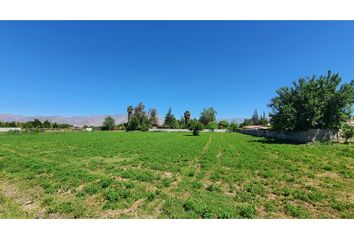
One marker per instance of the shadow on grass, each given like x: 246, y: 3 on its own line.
x: 190, y: 135
x: 275, y: 141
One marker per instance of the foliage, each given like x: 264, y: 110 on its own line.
x: 246, y: 122
x: 255, y: 117
x: 347, y: 131
x: 153, y: 117
x: 317, y: 102
x: 139, y: 119
x: 170, y: 120
x: 133, y: 124
x: 130, y: 110
x: 207, y: 115
x: 223, y: 124
x: 195, y: 126
x: 212, y: 125
x: 109, y: 123
x: 233, y: 127
x: 187, y: 117
x: 35, y: 124
x: 263, y: 121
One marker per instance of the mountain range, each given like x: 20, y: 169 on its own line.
x: 79, y: 121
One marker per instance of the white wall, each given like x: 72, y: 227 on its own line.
x: 9, y: 129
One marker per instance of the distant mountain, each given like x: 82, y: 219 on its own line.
x: 79, y: 121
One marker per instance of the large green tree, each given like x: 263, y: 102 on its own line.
x: 170, y: 120
x: 153, y: 117
x: 317, y: 102
x: 108, y: 123
x: 139, y: 120
x: 207, y: 115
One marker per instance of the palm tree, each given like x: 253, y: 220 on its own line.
x: 130, y: 112
x: 187, y: 116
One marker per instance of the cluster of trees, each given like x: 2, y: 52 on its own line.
x: 317, y: 102
x: 255, y: 120
x: 35, y: 124
x: 138, y: 119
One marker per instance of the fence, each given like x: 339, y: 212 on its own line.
x: 301, y: 136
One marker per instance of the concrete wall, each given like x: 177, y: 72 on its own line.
x: 301, y: 136
x: 9, y: 129
x: 182, y: 130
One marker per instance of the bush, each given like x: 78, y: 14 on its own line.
x: 347, y: 132
x: 233, y: 127
x: 212, y: 125
x: 195, y: 126
x: 223, y: 124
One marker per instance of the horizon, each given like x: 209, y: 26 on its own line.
x: 86, y: 68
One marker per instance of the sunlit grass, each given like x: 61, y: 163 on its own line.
x: 172, y: 175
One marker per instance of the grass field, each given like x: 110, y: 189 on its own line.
x: 172, y: 175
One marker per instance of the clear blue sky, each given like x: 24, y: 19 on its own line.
x: 100, y: 67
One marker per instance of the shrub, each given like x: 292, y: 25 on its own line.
x: 223, y: 124
x: 195, y: 126
x: 347, y: 132
x: 212, y: 125
x: 106, y: 182
x: 233, y: 127
x: 111, y: 195
x: 248, y: 211
x: 189, y: 205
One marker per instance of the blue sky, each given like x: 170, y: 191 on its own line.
x: 100, y: 67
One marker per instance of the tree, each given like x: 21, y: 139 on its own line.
x: 37, y: 123
x: 233, y: 127
x: 212, y: 125
x: 195, y: 126
x: 108, y: 123
x: 153, y: 117
x: 170, y: 120
x: 187, y: 117
x: 47, y: 124
x: 133, y: 124
x: 139, y: 119
x: 223, y: 124
x: 317, y: 102
x: 255, y: 117
x: 181, y: 123
x: 246, y: 122
x: 347, y: 132
x: 207, y: 115
x: 263, y: 121
x: 130, y: 112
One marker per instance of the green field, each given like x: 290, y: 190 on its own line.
x: 172, y: 175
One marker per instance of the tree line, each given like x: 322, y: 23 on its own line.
x: 139, y: 119
x: 35, y: 124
